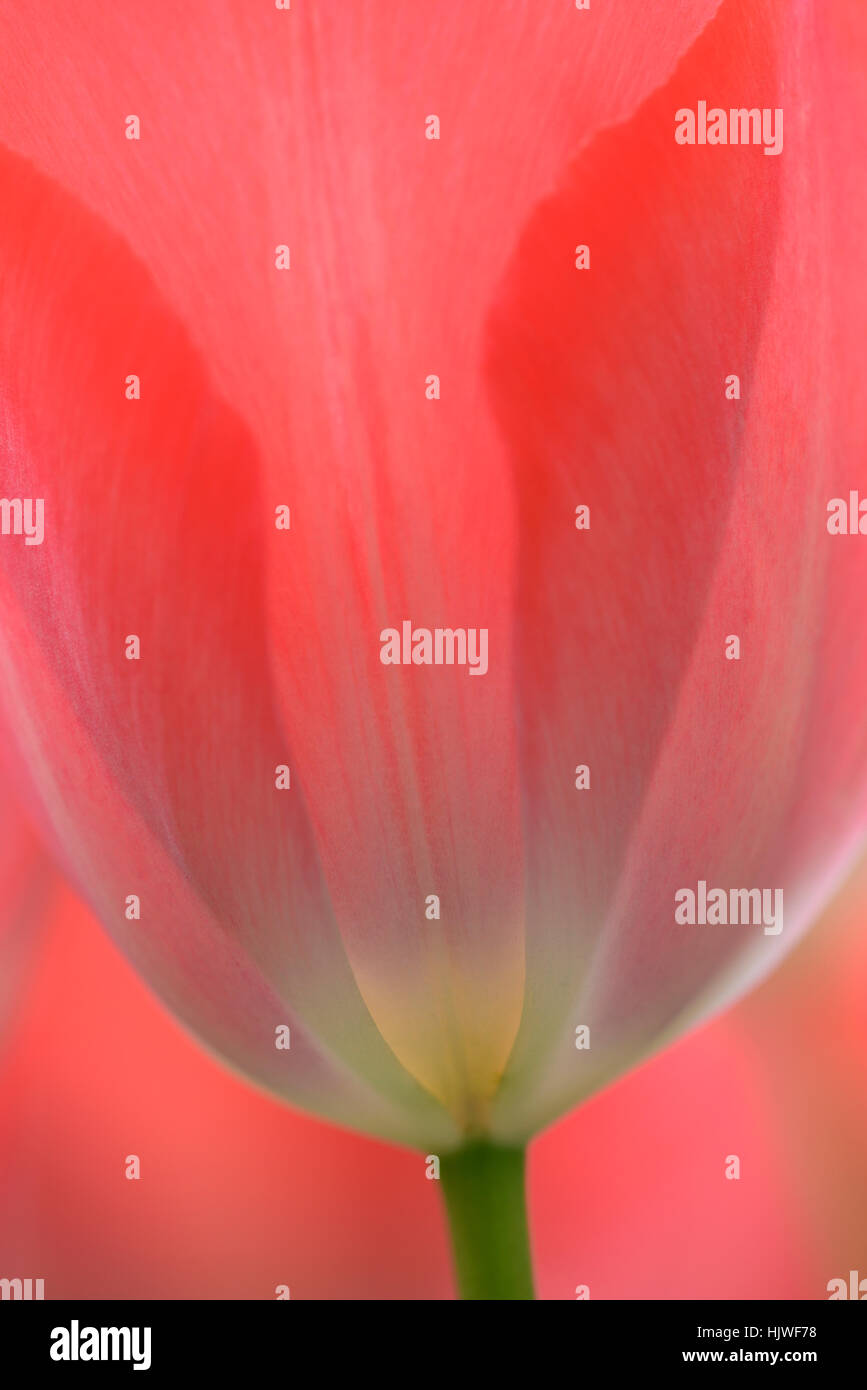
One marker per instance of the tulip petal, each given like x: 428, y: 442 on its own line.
x: 156, y: 775
x: 707, y: 520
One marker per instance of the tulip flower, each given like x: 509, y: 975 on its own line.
x: 322, y: 322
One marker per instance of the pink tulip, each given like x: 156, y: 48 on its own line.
x: 288, y: 374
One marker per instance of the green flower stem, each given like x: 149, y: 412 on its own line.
x: 483, y: 1186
